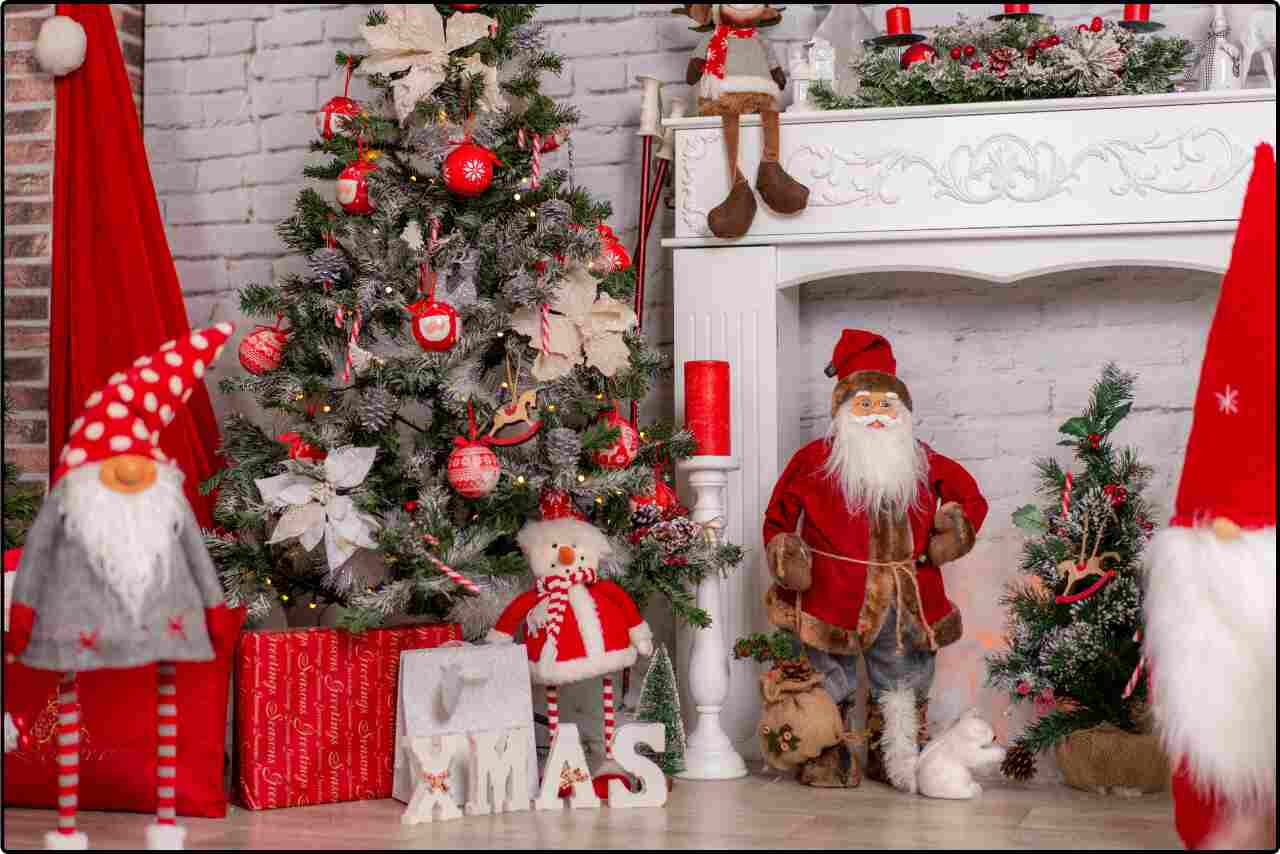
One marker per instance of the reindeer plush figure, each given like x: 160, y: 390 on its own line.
x: 735, y: 72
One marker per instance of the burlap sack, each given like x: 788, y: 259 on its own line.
x: 1108, y: 756
x: 800, y: 719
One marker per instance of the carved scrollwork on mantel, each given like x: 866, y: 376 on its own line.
x: 696, y: 147
x: 1007, y: 166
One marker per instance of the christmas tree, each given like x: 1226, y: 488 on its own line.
x: 458, y: 357
x: 660, y: 703
x: 1074, y: 616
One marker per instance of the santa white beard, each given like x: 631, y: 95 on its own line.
x: 129, y: 537
x: 1210, y: 636
x: 878, y: 469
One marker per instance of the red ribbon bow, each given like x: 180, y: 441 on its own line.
x: 463, y: 441
x: 299, y: 449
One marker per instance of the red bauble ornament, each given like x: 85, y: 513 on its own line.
x: 552, y: 141
x: 1096, y: 24
x: 1116, y: 493
x: 613, y: 257
x: 465, y: 7
x: 262, y: 350
x: 436, y: 325
x: 558, y: 504
x: 970, y: 50
x: 468, y: 170
x: 353, y: 187
x: 1095, y: 441
x: 621, y: 453
x: 918, y: 52
x: 336, y: 111
x: 411, y: 506
x: 473, y: 466
x: 976, y: 66
x: 956, y: 53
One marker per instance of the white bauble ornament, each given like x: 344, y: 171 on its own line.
x: 61, y: 45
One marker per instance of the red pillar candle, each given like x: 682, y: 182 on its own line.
x: 1137, y: 11
x: 897, y: 21
x: 1017, y: 8
x: 706, y: 406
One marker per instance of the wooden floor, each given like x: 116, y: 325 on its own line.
x: 760, y: 811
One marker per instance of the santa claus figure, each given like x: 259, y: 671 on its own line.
x: 856, y: 533
x: 1210, y: 603
x: 114, y: 573
x: 577, y: 625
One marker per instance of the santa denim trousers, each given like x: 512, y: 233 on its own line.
x: 886, y: 667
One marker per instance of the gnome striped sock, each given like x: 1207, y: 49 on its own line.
x: 68, y: 754
x: 607, y: 692
x: 166, y: 743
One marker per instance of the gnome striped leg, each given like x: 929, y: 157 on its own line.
x: 165, y: 835
x: 68, y: 737
x: 553, y: 709
x: 609, y: 720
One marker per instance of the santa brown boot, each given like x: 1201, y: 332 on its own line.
x: 782, y: 193
x: 875, y: 769
x: 733, y: 217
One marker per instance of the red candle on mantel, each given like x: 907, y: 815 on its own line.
x: 706, y: 406
x: 1017, y: 8
x: 897, y: 21
x: 1137, y: 11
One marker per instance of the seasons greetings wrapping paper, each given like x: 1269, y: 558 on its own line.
x: 316, y: 712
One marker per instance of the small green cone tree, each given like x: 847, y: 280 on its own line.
x: 660, y: 703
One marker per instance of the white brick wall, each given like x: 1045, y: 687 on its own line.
x: 230, y: 94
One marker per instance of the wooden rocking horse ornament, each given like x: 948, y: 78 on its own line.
x: 1077, y: 571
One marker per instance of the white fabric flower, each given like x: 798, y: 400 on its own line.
x: 317, y: 511
x: 584, y: 326
x: 414, y: 39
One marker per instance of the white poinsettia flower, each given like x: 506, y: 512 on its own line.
x: 315, y: 509
x: 583, y: 326
x: 415, y: 38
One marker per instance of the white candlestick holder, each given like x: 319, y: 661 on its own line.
x: 709, y: 754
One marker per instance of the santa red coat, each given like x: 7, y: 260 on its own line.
x: 599, y: 635
x: 846, y: 606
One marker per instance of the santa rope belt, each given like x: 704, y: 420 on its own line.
x: 900, y: 569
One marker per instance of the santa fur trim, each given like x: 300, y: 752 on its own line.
x: 55, y: 841
x: 1210, y: 636
x: 166, y: 837
x: 898, y: 741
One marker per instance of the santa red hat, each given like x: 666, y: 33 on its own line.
x: 127, y: 415
x: 1230, y: 467
x: 864, y: 361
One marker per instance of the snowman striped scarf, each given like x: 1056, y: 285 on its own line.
x: 553, y: 599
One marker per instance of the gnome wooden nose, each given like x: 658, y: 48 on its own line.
x: 566, y: 555
x: 128, y: 473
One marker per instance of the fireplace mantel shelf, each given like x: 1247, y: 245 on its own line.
x: 997, y: 192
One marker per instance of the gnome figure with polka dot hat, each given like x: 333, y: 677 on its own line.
x: 115, y: 573
x: 1210, y: 604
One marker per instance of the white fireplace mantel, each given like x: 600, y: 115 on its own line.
x: 997, y: 192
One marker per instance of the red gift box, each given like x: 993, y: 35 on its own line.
x: 316, y: 712
x: 118, y: 737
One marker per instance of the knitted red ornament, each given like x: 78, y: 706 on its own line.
x: 262, y: 350
x: 558, y: 504
x: 473, y: 467
x: 622, y: 452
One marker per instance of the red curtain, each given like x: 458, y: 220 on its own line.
x: 115, y: 295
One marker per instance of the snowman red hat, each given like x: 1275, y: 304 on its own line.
x: 1210, y: 631
x: 578, y: 625
x: 127, y: 415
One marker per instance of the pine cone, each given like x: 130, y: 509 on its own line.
x: 1019, y: 764
x: 378, y: 409
x: 563, y: 447
x: 646, y: 515
x: 329, y: 265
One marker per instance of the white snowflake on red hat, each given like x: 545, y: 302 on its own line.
x: 1229, y: 400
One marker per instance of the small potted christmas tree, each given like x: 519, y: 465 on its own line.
x: 660, y: 703
x: 1074, y: 616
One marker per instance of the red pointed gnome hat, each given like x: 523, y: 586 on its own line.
x: 863, y: 361
x: 127, y: 415
x: 1230, y: 468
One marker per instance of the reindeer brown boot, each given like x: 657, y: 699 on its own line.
x: 733, y: 217
x: 781, y: 192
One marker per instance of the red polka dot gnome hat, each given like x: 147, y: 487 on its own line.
x: 864, y: 361
x: 1230, y: 468
x: 127, y: 415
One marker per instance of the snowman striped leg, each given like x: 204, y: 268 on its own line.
x: 68, y: 754
x: 553, y: 709
x: 609, y: 721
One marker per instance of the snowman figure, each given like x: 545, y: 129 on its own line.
x: 577, y: 624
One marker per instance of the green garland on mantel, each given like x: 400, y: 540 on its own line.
x: 1016, y: 60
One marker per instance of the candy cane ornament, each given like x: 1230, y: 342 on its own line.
x: 454, y: 576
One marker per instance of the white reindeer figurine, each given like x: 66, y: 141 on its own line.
x: 1258, y: 35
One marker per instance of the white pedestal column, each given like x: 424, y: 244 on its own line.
x: 709, y: 753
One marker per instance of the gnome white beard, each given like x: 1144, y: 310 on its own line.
x: 1211, y: 636
x: 129, y: 537
x: 878, y: 469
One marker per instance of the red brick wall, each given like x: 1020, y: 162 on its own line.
x: 28, y: 208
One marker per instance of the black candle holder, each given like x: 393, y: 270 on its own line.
x: 894, y: 40
x: 1014, y: 16
x: 1141, y: 26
